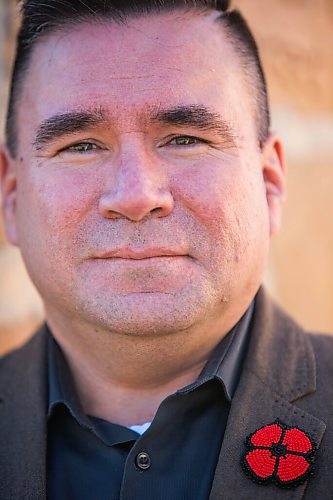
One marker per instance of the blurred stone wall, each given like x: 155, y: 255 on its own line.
x: 296, y: 43
x: 20, y: 307
x: 296, y: 40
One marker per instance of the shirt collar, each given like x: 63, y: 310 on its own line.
x: 61, y: 384
x: 226, y: 361
x: 224, y: 364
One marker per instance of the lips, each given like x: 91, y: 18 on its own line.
x: 147, y: 253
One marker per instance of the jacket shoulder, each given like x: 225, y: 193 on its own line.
x: 323, y: 350
x: 321, y: 342
x: 24, y: 361
x: 321, y: 400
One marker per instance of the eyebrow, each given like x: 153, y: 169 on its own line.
x: 194, y: 116
x: 197, y: 117
x: 67, y: 123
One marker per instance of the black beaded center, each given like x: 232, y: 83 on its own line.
x: 279, y: 450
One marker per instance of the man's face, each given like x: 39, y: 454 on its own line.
x: 141, y: 196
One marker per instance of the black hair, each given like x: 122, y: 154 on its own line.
x: 42, y: 17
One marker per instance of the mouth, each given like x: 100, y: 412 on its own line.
x: 147, y: 253
x: 146, y: 270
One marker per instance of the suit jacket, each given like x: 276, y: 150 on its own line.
x: 287, y: 375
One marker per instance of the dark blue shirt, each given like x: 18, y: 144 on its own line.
x: 92, y: 459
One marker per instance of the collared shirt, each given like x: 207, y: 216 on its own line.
x: 175, y: 458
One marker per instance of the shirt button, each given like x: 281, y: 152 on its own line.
x: 143, y: 460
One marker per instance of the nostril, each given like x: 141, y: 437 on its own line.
x: 156, y: 210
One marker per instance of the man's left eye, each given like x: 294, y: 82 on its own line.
x: 184, y: 140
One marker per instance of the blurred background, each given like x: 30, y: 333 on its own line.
x: 296, y: 42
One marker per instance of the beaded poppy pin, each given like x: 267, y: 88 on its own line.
x: 279, y: 454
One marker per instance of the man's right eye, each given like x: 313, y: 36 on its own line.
x: 81, y: 147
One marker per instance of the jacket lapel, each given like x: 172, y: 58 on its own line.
x: 23, y: 390
x: 279, y: 369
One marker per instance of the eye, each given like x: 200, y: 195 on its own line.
x: 184, y: 140
x: 81, y: 147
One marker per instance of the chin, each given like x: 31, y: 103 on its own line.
x: 148, y: 314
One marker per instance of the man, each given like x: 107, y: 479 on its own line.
x: 142, y: 184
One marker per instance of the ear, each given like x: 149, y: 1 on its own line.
x: 8, y: 189
x: 274, y: 174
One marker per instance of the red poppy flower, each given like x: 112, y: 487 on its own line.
x: 279, y: 454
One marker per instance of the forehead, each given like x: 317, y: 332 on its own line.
x: 164, y: 60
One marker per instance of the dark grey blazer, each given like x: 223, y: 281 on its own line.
x: 287, y: 375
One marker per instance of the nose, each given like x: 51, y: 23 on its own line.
x: 137, y: 192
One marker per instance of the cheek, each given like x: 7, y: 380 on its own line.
x: 229, y: 202
x: 216, y: 194
x: 51, y: 207
x: 57, y: 199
